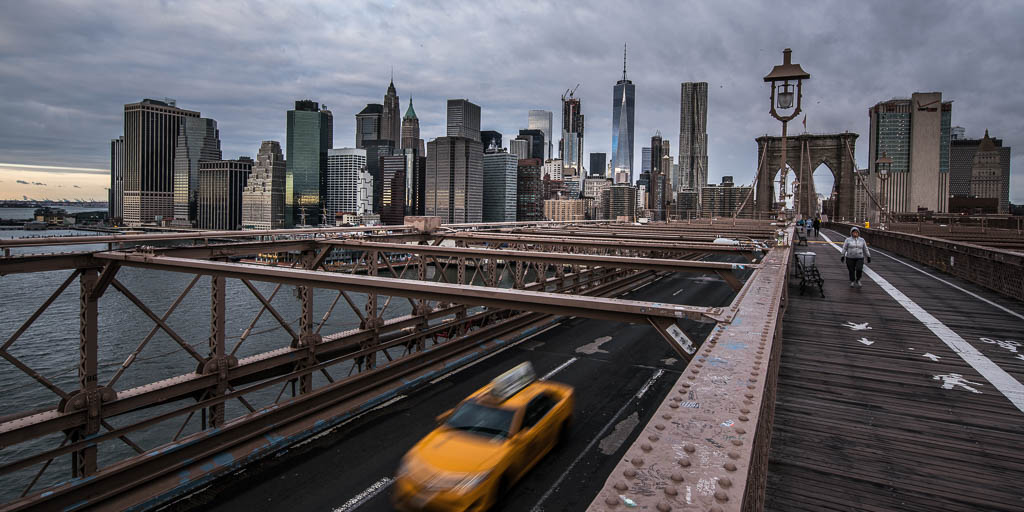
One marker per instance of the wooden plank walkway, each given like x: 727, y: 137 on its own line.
x: 863, y: 420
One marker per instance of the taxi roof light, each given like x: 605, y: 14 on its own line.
x: 506, y: 385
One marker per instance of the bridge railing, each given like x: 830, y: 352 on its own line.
x: 999, y: 270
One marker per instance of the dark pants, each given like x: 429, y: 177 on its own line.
x: 817, y: 231
x: 856, y: 268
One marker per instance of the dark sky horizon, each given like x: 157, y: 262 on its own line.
x: 68, y: 68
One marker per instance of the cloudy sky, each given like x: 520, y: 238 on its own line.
x: 67, y: 69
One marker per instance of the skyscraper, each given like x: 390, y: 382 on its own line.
x: 411, y: 130
x: 571, y: 150
x: 962, y: 152
x: 220, y: 193
x: 500, y: 175
x: 349, y: 186
x: 490, y: 140
x: 308, y: 140
x: 623, y: 105
x: 368, y: 124
x: 463, y: 119
x: 519, y: 147
x: 263, y: 196
x: 598, y: 162
x: 151, y: 130
x: 198, y: 141
x: 375, y: 150
x: 914, y: 133
x: 415, y: 182
x: 115, y: 200
x: 529, y: 190
x: 645, y: 159
x: 542, y: 120
x: 393, y: 194
x: 536, y: 140
x: 693, y: 137
x: 391, y: 121
x: 454, y: 178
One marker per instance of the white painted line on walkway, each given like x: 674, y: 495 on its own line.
x: 1010, y: 387
x: 560, y: 368
x: 643, y: 389
x: 360, y: 499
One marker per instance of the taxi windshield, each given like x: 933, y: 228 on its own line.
x: 482, y: 420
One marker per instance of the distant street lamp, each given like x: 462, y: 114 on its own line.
x: 782, y: 78
x: 884, y: 166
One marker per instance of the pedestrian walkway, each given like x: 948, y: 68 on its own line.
x: 902, y: 395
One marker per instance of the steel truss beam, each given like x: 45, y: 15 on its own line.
x: 628, y: 311
x: 621, y: 262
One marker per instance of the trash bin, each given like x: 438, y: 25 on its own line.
x: 806, y: 259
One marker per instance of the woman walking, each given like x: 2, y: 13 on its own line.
x: 855, y: 249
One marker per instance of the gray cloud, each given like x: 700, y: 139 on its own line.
x: 245, y: 64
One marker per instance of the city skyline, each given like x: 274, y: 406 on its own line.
x: 76, y: 109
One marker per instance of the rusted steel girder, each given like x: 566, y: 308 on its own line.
x: 623, y: 262
x: 521, y: 300
x: 599, y: 242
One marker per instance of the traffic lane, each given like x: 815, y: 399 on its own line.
x: 317, y: 476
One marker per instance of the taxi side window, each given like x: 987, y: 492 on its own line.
x: 536, y: 409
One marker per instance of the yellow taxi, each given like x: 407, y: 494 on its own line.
x: 485, y: 444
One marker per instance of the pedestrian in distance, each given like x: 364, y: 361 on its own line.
x: 855, y: 250
x: 817, y: 226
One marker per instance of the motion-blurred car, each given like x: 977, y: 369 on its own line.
x: 485, y: 444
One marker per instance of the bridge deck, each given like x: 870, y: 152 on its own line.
x: 863, y: 419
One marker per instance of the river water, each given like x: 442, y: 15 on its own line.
x: 50, y: 346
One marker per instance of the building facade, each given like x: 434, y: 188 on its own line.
x: 536, y: 141
x: 595, y: 189
x: 491, y: 140
x: 571, y: 150
x: 463, y: 119
x: 309, y: 137
x: 529, y: 190
x: 375, y: 150
x: 693, y: 137
x: 391, y: 116
x: 962, y: 153
x: 598, y: 164
x: 263, y: 195
x: 393, y: 194
x: 987, y: 173
x: 198, y: 141
x: 348, y: 185
x: 454, y: 179
x: 500, y: 181
x: 520, y: 148
x: 622, y: 202
x: 553, y: 169
x: 623, y: 107
x: 564, y: 210
x: 411, y: 131
x: 725, y: 199
x: 220, y: 193
x: 115, y: 199
x: 368, y: 124
x: 151, y: 130
x: 915, y: 134
x: 542, y: 120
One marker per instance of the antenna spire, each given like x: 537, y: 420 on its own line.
x: 623, y: 61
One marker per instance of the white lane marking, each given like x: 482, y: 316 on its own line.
x: 594, y: 440
x: 361, y: 498
x: 955, y: 379
x: 595, y: 347
x: 972, y: 294
x: 560, y: 368
x: 857, y: 327
x: 496, y: 352
x: 866, y: 341
x: 931, y: 356
x: 1010, y: 387
x: 677, y: 292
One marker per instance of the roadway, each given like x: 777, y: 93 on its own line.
x: 621, y: 373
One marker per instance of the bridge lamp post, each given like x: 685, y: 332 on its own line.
x: 787, y: 82
x: 884, y: 166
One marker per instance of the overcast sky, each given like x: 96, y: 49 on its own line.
x: 67, y: 69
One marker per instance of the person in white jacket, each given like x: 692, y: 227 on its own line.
x: 855, y: 250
